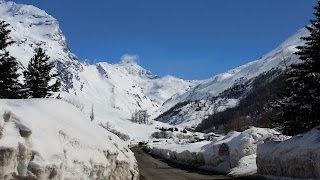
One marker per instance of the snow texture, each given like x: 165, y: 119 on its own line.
x: 298, y: 157
x: 239, y: 161
x: 51, y: 139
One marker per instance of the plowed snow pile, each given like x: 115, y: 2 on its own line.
x: 298, y: 157
x: 238, y: 157
x: 51, y: 139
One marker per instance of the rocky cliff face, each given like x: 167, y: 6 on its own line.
x: 32, y: 28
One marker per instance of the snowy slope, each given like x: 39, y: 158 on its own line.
x: 51, y: 139
x: 209, y: 90
x: 114, y: 90
x: 117, y: 90
x: 278, y: 58
x: 32, y: 28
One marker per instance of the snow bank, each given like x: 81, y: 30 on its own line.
x: 237, y: 160
x: 246, y: 166
x: 51, y: 139
x: 247, y: 142
x: 211, y: 151
x: 242, y: 149
x: 187, y: 153
x: 298, y: 157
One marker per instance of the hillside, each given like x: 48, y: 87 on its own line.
x: 213, y: 95
x: 253, y: 108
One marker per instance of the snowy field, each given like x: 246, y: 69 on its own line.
x: 51, y: 139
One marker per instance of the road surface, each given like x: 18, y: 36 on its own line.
x: 154, y: 168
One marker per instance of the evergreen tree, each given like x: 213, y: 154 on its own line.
x: 92, y: 113
x: 9, y: 84
x: 37, y: 76
x: 299, y: 104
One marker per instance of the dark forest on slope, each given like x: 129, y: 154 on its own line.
x: 253, y: 108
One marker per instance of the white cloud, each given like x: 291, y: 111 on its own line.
x: 128, y: 58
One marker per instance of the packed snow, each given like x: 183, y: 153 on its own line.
x: 297, y: 157
x: 52, y: 139
x: 237, y: 160
x: 257, y: 151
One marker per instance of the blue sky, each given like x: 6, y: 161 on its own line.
x: 190, y: 39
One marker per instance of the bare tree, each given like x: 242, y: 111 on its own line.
x: 141, y: 117
x: 107, y: 126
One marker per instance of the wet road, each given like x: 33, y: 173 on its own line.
x: 154, y: 168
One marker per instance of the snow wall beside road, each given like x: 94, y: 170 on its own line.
x: 298, y: 157
x: 239, y: 145
x: 50, y: 139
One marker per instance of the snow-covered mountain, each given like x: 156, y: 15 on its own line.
x: 32, y: 28
x: 80, y: 148
x: 114, y: 90
x: 208, y: 97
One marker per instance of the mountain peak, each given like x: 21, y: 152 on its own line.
x: 129, y: 59
x: 129, y: 62
x: 23, y: 10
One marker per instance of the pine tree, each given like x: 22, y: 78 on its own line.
x: 37, y: 76
x: 299, y: 104
x: 9, y: 84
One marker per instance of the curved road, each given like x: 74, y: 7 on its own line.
x: 158, y: 169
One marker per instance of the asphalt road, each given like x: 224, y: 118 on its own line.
x: 155, y: 168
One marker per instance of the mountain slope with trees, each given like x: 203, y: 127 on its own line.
x: 38, y: 76
x: 118, y: 90
x: 253, y: 108
x: 226, y: 90
x: 298, y: 109
x: 9, y: 83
